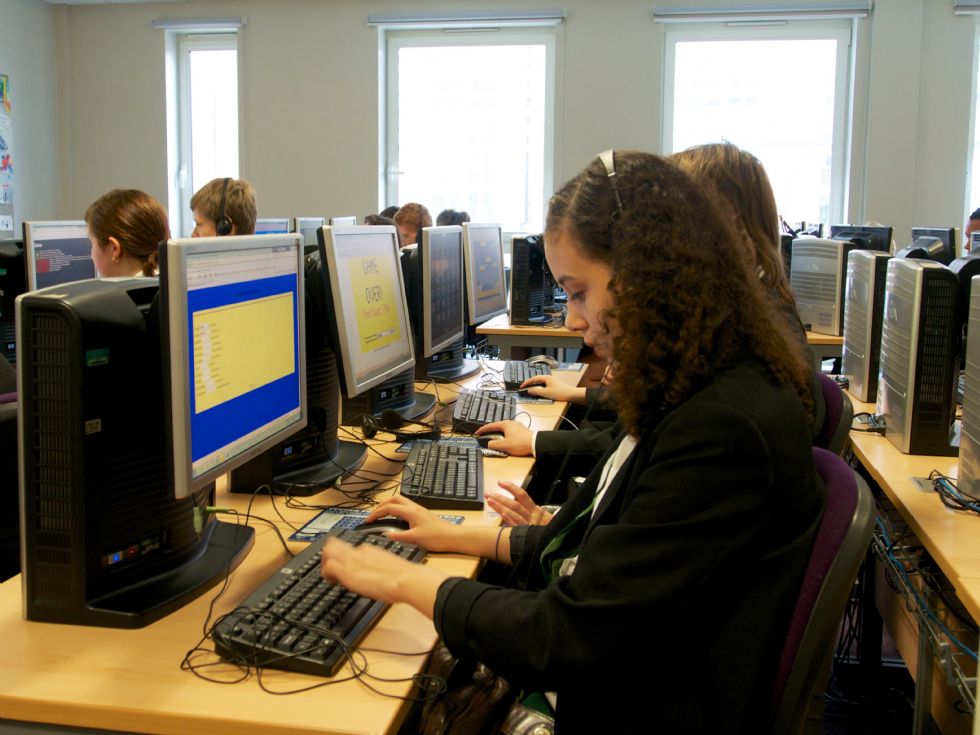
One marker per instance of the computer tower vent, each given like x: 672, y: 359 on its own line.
x: 50, y: 455
x: 863, y: 309
x: 918, y: 356
x: 817, y: 277
x: 969, y: 463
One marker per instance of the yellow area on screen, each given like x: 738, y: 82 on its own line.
x: 374, y: 292
x: 227, y: 340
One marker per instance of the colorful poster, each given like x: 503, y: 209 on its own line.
x: 6, y: 160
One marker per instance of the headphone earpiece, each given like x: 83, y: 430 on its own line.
x: 224, y: 224
x: 391, y: 421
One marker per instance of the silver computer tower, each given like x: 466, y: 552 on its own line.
x: 864, y: 302
x: 969, y: 473
x: 918, y: 356
x: 817, y: 274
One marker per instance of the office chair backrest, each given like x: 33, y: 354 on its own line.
x: 838, y: 416
x: 838, y: 550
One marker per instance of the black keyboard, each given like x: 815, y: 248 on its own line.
x: 444, y: 476
x: 517, y: 371
x: 474, y: 409
x: 295, y: 620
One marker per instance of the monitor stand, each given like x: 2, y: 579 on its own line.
x: 316, y: 479
x: 448, y: 365
x: 398, y: 394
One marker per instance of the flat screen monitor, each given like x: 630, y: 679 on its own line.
x: 307, y: 227
x: 234, y: 335
x: 866, y: 237
x: 343, y: 221
x: 370, y: 327
x: 272, y: 226
x: 57, y: 252
x: 939, y: 242
x: 441, y: 256
x: 483, y: 256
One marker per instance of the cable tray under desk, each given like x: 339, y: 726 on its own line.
x: 905, y: 561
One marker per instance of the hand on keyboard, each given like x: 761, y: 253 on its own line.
x: 516, y: 441
x: 548, y: 386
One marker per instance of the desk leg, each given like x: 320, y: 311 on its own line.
x: 922, y: 704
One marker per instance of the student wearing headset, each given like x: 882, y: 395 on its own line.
x: 709, y: 494
x: 125, y: 226
x: 224, y: 207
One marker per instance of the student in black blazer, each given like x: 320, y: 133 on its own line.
x: 683, y: 552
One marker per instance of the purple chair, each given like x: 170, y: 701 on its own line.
x: 839, y: 414
x: 838, y: 550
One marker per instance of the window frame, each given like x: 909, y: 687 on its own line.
x: 395, y: 38
x: 842, y: 30
x: 179, y: 144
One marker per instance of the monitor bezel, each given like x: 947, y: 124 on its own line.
x: 429, y: 347
x: 29, y: 261
x: 947, y: 235
x: 347, y: 220
x: 173, y: 290
x: 339, y: 327
x: 298, y: 223
x: 472, y: 318
x: 840, y: 232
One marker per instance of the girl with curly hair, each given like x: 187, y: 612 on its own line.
x: 685, y: 547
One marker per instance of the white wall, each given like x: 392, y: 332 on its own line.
x: 310, y: 110
x: 28, y: 55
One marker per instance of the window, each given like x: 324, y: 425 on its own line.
x: 779, y: 90
x: 202, y: 113
x: 470, y: 123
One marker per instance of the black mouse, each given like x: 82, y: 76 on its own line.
x: 383, y: 525
x: 485, y: 439
x: 523, y: 393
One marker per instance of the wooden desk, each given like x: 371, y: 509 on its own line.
x: 824, y: 346
x: 952, y: 539
x: 131, y: 679
x: 500, y: 332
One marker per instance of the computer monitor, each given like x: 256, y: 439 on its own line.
x: 865, y: 237
x: 368, y: 314
x: 933, y: 243
x: 233, y: 320
x: 13, y: 282
x: 483, y: 257
x: 57, y: 252
x: 350, y: 221
x: 272, y: 226
x: 307, y: 226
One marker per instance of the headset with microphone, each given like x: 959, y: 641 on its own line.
x: 390, y: 421
x: 223, y: 226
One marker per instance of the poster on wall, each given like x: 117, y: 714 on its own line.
x: 6, y: 161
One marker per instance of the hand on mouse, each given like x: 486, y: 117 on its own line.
x: 516, y: 441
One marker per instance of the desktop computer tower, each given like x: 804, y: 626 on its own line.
x: 102, y: 536
x: 919, y: 341
x: 864, y: 305
x: 817, y: 276
x: 13, y: 282
x: 532, y: 289
x: 969, y: 465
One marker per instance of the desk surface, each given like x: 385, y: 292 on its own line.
x: 815, y: 338
x: 131, y: 679
x: 951, y: 537
x: 501, y: 326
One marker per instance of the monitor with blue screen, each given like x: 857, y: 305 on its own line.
x: 272, y: 226
x: 235, y: 330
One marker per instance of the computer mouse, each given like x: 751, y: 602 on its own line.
x: 383, y: 525
x: 485, y: 439
x: 523, y: 393
x: 543, y: 359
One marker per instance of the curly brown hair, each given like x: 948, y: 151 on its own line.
x: 687, y: 302
x: 137, y: 221
x: 743, y: 191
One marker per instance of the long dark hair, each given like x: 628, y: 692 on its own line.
x: 135, y: 219
x: 688, y: 302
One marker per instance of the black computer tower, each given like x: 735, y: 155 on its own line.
x: 919, y: 341
x: 103, y: 540
x: 531, y: 287
x: 13, y: 282
x: 863, y: 312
